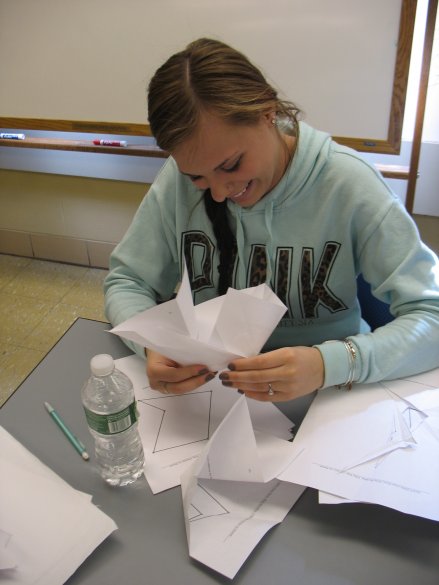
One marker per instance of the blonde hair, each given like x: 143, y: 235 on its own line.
x: 209, y: 76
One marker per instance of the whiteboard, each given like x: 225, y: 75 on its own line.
x: 91, y: 60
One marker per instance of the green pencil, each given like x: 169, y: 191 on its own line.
x: 80, y: 447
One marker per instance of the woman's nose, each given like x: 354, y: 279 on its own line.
x: 219, y: 191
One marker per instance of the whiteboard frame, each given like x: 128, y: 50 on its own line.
x: 390, y: 145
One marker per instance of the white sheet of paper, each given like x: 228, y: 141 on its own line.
x: 231, y: 496
x: 175, y: 428
x: 378, y: 443
x: 325, y: 498
x: 53, y: 528
x: 7, y: 558
x: 212, y: 333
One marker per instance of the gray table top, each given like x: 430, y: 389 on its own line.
x: 315, y: 545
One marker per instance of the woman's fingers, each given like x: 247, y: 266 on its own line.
x: 280, y: 375
x: 169, y: 377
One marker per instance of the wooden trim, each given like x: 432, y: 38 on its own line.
x: 393, y: 171
x: 392, y: 145
x: 420, y: 108
x: 120, y: 128
x: 369, y: 145
x: 402, y: 67
x: 85, y: 146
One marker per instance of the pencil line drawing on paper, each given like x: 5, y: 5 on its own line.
x: 370, y: 479
x: 413, y: 418
x: 412, y: 415
x: 173, y: 429
x: 205, y: 505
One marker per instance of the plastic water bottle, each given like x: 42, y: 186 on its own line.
x: 110, y: 408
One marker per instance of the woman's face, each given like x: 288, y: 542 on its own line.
x: 240, y: 163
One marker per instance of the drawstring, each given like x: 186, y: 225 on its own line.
x: 241, y: 274
x: 268, y: 216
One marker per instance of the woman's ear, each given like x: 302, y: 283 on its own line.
x: 270, y: 117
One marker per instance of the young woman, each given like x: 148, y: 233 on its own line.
x: 251, y: 195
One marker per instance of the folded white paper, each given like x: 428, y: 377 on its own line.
x: 175, y: 428
x: 51, y: 527
x: 231, y: 494
x: 212, y: 333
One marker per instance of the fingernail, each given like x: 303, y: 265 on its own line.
x: 227, y: 384
x: 231, y: 367
x: 224, y: 376
x: 209, y: 377
x: 203, y: 371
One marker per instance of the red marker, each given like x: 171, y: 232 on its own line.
x: 110, y: 142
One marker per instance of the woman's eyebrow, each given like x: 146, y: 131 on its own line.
x: 225, y: 162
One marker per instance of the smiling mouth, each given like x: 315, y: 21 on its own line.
x: 241, y: 193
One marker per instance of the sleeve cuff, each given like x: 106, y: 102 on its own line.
x: 336, y: 362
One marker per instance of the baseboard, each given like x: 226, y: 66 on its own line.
x: 56, y: 248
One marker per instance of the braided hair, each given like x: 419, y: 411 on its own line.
x: 217, y: 213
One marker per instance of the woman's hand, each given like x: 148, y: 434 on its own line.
x: 169, y: 377
x: 277, y: 376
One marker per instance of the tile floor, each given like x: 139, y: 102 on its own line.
x: 39, y: 300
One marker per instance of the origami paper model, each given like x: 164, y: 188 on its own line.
x: 213, y: 333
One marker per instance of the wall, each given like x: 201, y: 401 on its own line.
x: 426, y: 195
x: 63, y: 218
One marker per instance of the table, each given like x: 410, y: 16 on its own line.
x: 315, y: 545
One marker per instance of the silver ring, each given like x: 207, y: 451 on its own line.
x: 270, y: 391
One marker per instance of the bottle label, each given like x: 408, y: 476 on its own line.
x: 111, y: 424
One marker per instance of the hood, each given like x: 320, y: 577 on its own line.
x: 310, y: 157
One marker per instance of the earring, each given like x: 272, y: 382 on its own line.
x: 273, y: 121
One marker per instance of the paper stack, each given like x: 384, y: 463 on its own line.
x: 378, y: 443
x: 226, y: 452
x: 47, y: 528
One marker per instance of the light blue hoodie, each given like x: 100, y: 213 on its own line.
x: 330, y: 218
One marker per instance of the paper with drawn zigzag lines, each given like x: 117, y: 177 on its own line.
x: 175, y: 428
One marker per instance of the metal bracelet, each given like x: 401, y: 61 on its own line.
x: 352, y: 353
